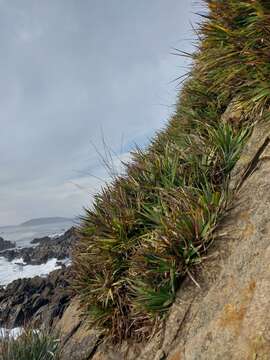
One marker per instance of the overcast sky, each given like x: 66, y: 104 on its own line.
x: 72, y: 73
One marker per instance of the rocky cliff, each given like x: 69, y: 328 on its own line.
x: 172, y: 261
x: 227, y: 315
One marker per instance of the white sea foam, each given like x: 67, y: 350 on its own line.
x: 18, y: 261
x: 56, y: 235
x: 10, y: 271
x: 23, y: 235
x: 11, y: 333
x: 14, y: 333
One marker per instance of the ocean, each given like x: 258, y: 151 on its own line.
x: 23, y: 235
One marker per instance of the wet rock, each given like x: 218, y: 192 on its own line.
x: 47, y: 248
x: 42, y: 240
x: 38, y: 300
x: 6, y: 244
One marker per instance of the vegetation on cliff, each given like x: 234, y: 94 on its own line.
x: 150, y: 227
x: 30, y: 345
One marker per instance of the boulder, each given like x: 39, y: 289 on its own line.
x: 79, y: 342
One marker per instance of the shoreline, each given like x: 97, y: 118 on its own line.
x: 39, y: 288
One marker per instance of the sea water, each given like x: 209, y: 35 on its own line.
x: 23, y: 235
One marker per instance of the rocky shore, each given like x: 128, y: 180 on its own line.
x: 40, y: 300
x: 47, y: 248
x: 6, y: 244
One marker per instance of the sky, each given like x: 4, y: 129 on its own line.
x: 81, y: 79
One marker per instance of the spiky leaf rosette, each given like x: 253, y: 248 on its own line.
x: 149, y: 228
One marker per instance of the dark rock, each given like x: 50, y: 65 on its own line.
x: 10, y: 254
x: 42, y: 240
x: 27, y: 258
x: 38, y: 300
x: 47, y: 248
x: 6, y: 244
x: 19, y: 317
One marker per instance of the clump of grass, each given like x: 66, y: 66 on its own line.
x: 149, y: 228
x: 30, y: 345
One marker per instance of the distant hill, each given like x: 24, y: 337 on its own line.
x: 45, y: 220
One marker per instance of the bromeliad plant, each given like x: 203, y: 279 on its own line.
x: 148, y: 228
x: 30, y: 345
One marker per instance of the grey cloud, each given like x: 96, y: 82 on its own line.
x: 71, y: 70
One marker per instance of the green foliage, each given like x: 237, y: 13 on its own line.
x: 148, y: 228
x: 31, y: 345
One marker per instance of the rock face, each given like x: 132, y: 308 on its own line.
x: 6, y: 244
x: 228, y: 317
x: 40, y: 300
x: 78, y: 341
x: 47, y: 248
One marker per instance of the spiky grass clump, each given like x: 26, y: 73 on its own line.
x: 30, y: 345
x: 147, y: 229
